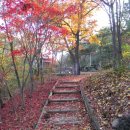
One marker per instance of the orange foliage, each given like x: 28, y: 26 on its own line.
x: 78, y: 21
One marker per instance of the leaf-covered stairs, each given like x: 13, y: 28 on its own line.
x: 64, y: 108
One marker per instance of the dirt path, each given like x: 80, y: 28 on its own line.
x: 64, y: 109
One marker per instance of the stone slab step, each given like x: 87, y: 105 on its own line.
x: 75, y: 122
x: 61, y: 110
x: 69, y: 86
x: 64, y: 120
x: 70, y: 122
x: 66, y: 92
x: 69, y: 82
x: 64, y: 100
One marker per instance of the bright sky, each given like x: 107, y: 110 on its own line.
x: 102, y: 19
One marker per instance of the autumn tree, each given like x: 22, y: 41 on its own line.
x: 22, y: 21
x: 79, y: 27
x: 114, y: 10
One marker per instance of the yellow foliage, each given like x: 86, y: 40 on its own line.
x: 71, y: 39
x: 94, y: 39
x: 79, y: 21
x: 126, y: 51
x: 126, y: 54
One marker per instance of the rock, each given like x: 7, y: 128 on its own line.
x: 121, y: 123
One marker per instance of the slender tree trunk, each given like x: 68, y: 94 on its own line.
x: 22, y: 96
x: 31, y: 79
x: 41, y: 70
x: 17, y: 76
x: 119, y: 35
x: 90, y: 63
x: 38, y: 66
x: 1, y: 101
x: 100, y: 48
x: 15, y: 68
x: 13, y: 105
x: 77, y: 64
x: 115, y: 64
x: 61, y: 64
x: 119, y: 45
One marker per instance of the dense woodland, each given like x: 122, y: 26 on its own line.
x: 40, y: 39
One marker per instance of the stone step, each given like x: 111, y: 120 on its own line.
x: 69, y: 86
x: 64, y: 100
x: 61, y: 110
x: 69, y: 82
x: 64, y: 120
x: 66, y: 92
x: 70, y: 122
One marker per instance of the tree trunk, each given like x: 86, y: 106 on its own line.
x: 77, y: 64
x: 38, y: 66
x: 75, y: 55
x: 74, y: 70
x: 61, y: 64
x: 17, y: 75
x: 31, y: 79
x: 115, y: 22
x: 22, y: 97
x: 119, y: 45
x: 115, y: 64
x: 119, y: 35
x: 41, y: 70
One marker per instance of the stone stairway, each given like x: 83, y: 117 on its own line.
x: 64, y: 107
x: 66, y: 91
